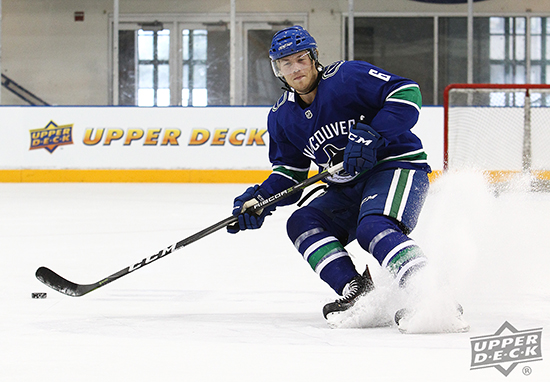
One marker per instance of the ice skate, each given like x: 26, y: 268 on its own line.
x: 423, y: 321
x: 352, y: 310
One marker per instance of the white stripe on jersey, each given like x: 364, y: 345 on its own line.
x: 391, y: 192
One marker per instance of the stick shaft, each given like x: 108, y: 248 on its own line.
x: 62, y: 285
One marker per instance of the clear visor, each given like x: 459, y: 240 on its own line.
x: 291, y: 64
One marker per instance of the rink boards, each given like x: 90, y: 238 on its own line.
x: 133, y: 144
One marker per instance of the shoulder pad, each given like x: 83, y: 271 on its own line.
x: 332, y: 69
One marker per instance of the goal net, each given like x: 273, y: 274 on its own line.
x: 499, y: 129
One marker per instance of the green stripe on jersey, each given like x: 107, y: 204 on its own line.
x: 322, y: 252
x: 411, y: 94
x: 398, y: 195
x: 407, y: 157
x: 298, y: 176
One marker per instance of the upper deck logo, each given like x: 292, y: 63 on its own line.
x: 505, y: 351
x: 51, y: 137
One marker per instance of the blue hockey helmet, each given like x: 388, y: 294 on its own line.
x: 289, y: 41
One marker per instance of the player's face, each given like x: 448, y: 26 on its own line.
x: 298, y: 70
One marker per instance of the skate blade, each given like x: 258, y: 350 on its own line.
x: 415, y: 325
x: 363, y: 315
x: 356, y: 321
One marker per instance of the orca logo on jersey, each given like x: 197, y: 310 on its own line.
x: 280, y: 101
x: 325, y: 135
x: 331, y: 70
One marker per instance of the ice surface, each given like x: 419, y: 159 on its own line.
x: 246, y: 307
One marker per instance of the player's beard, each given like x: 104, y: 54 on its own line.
x: 312, y: 86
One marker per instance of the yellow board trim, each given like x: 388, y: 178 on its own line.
x: 185, y: 176
x: 494, y: 177
x: 137, y: 176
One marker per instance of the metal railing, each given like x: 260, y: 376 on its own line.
x: 22, y: 93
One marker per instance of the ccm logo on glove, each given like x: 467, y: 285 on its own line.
x: 360, y: 152
x: 360, y: 140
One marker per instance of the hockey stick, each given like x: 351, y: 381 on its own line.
x: 60, y: 284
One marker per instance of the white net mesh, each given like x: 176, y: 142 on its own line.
x: 493, y: 129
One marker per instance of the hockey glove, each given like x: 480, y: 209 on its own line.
x: 249, y: 220
x: 360, y: 152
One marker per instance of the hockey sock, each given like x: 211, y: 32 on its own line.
x: 327, y: 257
x: 383, y: 238
x: 322, y: 250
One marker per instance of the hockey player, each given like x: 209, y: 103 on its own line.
x: 359, y: 114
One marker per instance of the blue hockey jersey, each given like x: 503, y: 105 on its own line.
x: 348, y: 92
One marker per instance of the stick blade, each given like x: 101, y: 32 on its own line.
x: 60, y: 284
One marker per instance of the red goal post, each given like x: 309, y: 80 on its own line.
x: 500, y: 129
